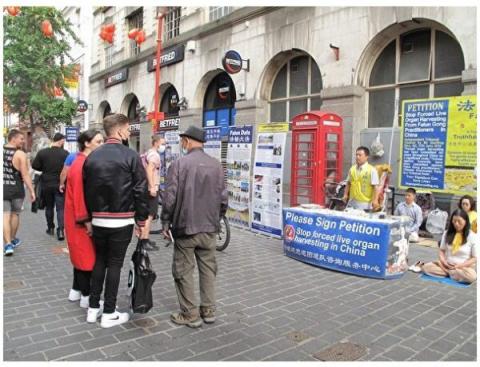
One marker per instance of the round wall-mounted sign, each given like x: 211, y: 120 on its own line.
x: 232, y: 62
x: 82, y: 106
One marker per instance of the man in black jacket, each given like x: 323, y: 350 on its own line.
x: 50, y: 162
x: 115, y: 190
x: 195, y: 197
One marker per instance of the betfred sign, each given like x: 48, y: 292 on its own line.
x: 232, y: 62
x: 169, y: 56
x: 170, y: 124
x: 116, y: 77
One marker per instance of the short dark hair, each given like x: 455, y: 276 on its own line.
x: 470, y: 199
x: 113, y: 121
x: 86, y: 137
x: 12, y: 134
x: 365, y: 150
x: 411, y: 190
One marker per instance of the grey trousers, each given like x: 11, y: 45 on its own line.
x: 199, y: 247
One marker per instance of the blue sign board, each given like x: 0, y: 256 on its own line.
x: 241, y: 135
x: 424, y: 142
x: 71, y: 134
x: 352, y: 245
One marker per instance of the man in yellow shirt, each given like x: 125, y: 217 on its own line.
x: 362, y: 187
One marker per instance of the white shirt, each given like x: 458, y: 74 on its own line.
x: 466, y: 251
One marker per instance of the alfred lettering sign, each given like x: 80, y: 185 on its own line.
x: 116, y: 77
x: 169, y: 56
x: 232, y: 62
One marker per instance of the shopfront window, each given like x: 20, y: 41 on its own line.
x: 296, y: 89
x: 169, y: 103
x: 219, y: 103
x: 107, y: 110
x: 425, y: 63
x: 135, y: 20
x: 217, y: 12
x: 134, y: 111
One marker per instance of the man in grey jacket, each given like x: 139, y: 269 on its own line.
x: 194, y: 199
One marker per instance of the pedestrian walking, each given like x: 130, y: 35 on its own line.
x: 362, y: 187
x: 116, y: 197
x: 15, y: 175
x: 194, y: 199
x: 78, y: 225
x: 50, y: 161
x: 152, y: 163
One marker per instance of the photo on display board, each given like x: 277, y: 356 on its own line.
x: 277, y: 150
x: 257, y: 217
x: 258, y: 178
x: 265, y: 139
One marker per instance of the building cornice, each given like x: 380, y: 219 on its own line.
x: 205, y: 30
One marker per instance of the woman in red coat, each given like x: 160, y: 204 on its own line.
x: 78, y: 227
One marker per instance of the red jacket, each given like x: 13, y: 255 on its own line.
x: 80, y: 245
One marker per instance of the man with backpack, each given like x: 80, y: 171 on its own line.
x: 151, y: 162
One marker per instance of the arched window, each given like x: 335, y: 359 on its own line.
x: 169, y: 103
x: 134, y: 110
x: 107, y: 110
x: 424, y: 63
x: 219, y: 103
x: 296, y: 89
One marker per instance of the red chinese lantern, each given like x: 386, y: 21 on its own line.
x: 109, y: 37
x: 133, y: 33
x: 140, y: 37
x: 57, y: 92
x: 47, y: 29
x: 13, y: 10
x: 110, y: 28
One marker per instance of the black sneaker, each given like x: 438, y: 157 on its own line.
x: 50, y: 231
x: 60, y: 234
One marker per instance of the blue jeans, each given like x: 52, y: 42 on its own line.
x: 54, y: 198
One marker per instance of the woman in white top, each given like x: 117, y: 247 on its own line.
x: 458, y: 251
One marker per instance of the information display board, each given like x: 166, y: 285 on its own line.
x: 213, y: 144
x: 239, y: 162
x: 267, y: 200
x: 439, y: 144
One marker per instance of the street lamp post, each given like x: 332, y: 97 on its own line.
x: 156, y: 116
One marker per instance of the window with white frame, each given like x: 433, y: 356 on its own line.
x: 172, y: 22
x: 135, y: 20
x: 425, y: 63
x: 109, y: 55
x: 217, y: 12
x: 296, y: 89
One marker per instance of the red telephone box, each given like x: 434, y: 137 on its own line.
x: 317, y: 155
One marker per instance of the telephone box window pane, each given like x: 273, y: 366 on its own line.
x: 304, y: 164
x: 315, y: 103
x: 303, y: 191
x: 383, y: 71
x: 305, y: 137
x: 449, y: 89
x: 279, y: 89
x: 304, y: 173
x: 304, y: 155
x: 331, y: 164
x: 332, y: 137
x: 297, y: 107
x: 278, y: 111
x: 304, y: 181
x: 299, y: 76
x: 303, y: 200
x: 448, y: 56
x: 332, y: 146
x: 381, y: 108
x: 305, y: 146
x: 415, y: 56
x: 316, y: 84
x: 331, y: 155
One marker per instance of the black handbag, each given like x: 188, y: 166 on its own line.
x: 140, y: 280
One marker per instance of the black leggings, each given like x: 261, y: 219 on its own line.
x: 81, y: 281
x: 110, y: 246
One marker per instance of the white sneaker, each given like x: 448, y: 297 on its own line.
x: 94, y: 313
x: 74, y: 295
x: 84, y: 301
x: 114, y: 319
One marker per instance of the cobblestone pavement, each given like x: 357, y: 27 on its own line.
x: 270, y: 307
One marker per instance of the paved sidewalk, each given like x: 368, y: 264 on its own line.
x: 270, y: 307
